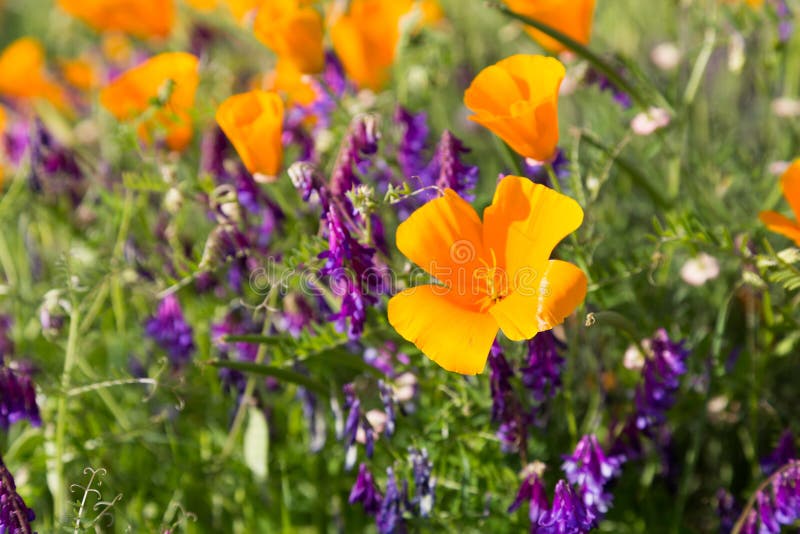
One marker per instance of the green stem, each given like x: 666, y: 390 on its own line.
x: 60, y: 497
x: 700, y: 65
x: 611, y: 73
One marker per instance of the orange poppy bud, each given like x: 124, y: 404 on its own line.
x: 292, y: 84
x: 517, y: 99
x: 253, y: 122
x: 23, y: 74
x: 293, y: 32
x: 133, y: 92
x: 366, y: 37
x: 142, y: 18
x: 571, y: 17
x: 790, y: 184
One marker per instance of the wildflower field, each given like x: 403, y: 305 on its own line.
x: 399, y: 266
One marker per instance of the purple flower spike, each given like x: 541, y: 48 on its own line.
x: 361, y: 142
x: 532, y: 490
x: 411, y: 151
x: 506, y: 409
x: 366, y: 492
x: 15, y: 516
x: 390, y: 515
x: 568, y: 514
x: 542, y: 374
x: 17, y: 398
x: 661, y: 375
x: 424, y: 484
x: 591, y: 470
x: 387, y: 398
x: 784, y: 452
x: 171, y: 332
x: 446, y: 170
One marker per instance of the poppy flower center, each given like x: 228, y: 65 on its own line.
x: 491, y: 283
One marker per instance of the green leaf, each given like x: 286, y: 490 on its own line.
x: 144, y: 182
x: 256, y: 443
x: 284, y: 375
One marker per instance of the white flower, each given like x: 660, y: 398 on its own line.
x: 649, y: 121
x: 697, y: 271
x: 665, y: 56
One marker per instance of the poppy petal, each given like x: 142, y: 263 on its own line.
x: 781, y: 225
x: 443, y: 237
x: 532, y: 309
x: 790, y: 183
x: 524, y: 224
x: 456, y: 338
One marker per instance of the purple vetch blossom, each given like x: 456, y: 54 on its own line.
x: 567, y: 515
x: 597, y: 78
x: 360, y: 143
x: 506, y: 409
x: 390, y: 515
x: 777, y: 504
x: 784, y: 451
x: 15, y: 516
x: 356, y: 428
x: 413, y: 143
x: 385, y: 357
x: 785, y: 20
x: 17, y: 396
x: 728, y: 511
x: 54, y: 169
x: 446, y: 170
x: 424, y: 483
x: 235, y: 322
x: 661, y: 379
x: 16, y: 141
x: 532, y: 490
x: 542, y: 372
x: 366, y: 491
x: 315, y: 419
x: 171, y: 332
x: 387, y: 398
x: 537, y: 171
x: 591, y: 470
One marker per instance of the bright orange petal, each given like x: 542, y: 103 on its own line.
x: 443, y: 237
x: 456, y: 338
x: 790, y: 183
x: 535, y: 308
x: 524, y: 224
x: 781, y: 225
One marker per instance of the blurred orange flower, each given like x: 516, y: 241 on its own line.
x: 293, y: 31
x: 23, y: 74
x: 494, y: 274
x: 571, y: 17
x: 790, y: 183
x: 79, y: 73
x: 253, y: 122
x: 142, y: 18
x: 517, y: 99
x: 243, y: 8
x: 203, y: 5
x: 292, y: 84
x: 133, y: 92
x: 365, y: 39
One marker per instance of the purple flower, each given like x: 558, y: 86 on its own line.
x: 506, y: 409
x: 591, y: 470
x: 411, y: 150
x: 17, y: 397
x: 15, y: 516
x: 727, y: 510
x: 366, y: 492
x: 387, y: 398
x: 568, y: 515
x: 315, y: 419
x: 390, y: 515
x: 661, y: 375
x: 594, y: 77
x: 361, y: 142
x: 785, y: 20
x: 54, y: 170
x: 532, y: 490
x: 424, y: 484
x: 778, y: 503
x: 446, y: 170
x: 171, y: 332
x: 784, y: 451
x: 542, y: 373
x: 537, y: 171
x: 235, y: 322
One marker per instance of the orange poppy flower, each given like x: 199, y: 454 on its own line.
x: 495, y: 275
x: 23, y: 74
x: 790, y: 183
x: 79, y: 73
x: 517, y: 99
x: 571, y: 17
x: 365, y: 39
x: 243, y: 8
x: 292, y: 84
x: 142, y: 18
x: 294, y: 32
x: 132, y: 93
x: 253, y: 122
